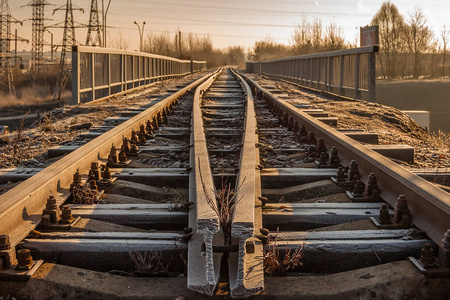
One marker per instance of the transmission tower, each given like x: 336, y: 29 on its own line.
x: 6, y: 74
x: 67, y: 42
x: 94, y: 27
x: 37, y: 41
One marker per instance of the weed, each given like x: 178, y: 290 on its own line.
x: 46, y: 124
x: 152, y: 263
x: 441, y: 139
x: 277, y: 263
x: 223, y: 205
x: 178, y: 201
x: 17, y: 139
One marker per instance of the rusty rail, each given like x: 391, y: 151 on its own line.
x: 429, y: 205
x: 21, y: 207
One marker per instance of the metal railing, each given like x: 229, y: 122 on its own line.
x: 98, y: 72
x: 347, y: 73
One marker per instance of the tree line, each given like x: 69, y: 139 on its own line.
x: 408, y: 46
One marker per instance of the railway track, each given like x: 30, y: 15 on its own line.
x: 224, y: 189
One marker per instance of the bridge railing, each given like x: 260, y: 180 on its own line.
x: 99, y: 72
x: 349, y: 73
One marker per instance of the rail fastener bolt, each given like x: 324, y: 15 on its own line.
x: 427, y: 257
x: 384, y: 217
x: 372, y: 186
x: 353, y: 170
x: 66, y: 215
x: 263, y: 238
x: 5, y: 244
x: 264, y: 231
x: 52, y: 209
x: 77, y: 181
x: 334, y: 160
x: 402, y: 215
x: 263, y: 201
x: 94, y: 172
x: 340, y: 175
x: 312, y: 138
x: 24, y: 259
x: 321, y: 146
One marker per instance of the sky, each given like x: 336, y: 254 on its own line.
x: 227, y: 22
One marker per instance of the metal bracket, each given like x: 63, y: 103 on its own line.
x: 435, y: 271
x: 16, y: 274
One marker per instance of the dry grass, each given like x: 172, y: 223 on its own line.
x: 277, y: 263
x: 31, y: 96
x: 223, y: 205
x: 441, y: 139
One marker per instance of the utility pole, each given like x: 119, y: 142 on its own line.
x: 68, y: 41
x: 141, y: 34
x: 179, y: 42
x: 176, y: 44
x: 37, y: 42
x: 104, y: 14
x: 93, y: 36
x: 6, y: 74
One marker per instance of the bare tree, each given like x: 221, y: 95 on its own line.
x: 312, y: 37
x: 419, y: 37
x: 391, y: 28
x: 120, y: 42
x: 334, y: 38
x: 301, y: 38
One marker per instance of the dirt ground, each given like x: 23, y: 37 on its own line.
x: 28, y: 147
x: 393, y: 126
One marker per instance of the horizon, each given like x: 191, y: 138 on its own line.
x: 226, y: 24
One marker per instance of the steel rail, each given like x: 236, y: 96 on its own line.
x: 428, y: 204
x: 21, y: 207
x: 246, y: 268
x: 203, y: 268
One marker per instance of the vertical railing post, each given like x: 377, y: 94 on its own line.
x: 109, y: 73
x: 357, y: 83
x: 371, y: 76
x: 341, y: 75
x: 318, y: 70
x: 325, y: 73
x: 330, y: 74
x: 93, y: 76
x: 76, y: 78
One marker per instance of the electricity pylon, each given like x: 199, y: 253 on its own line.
x: 6, y: 74
x: 37, y: 40
x: 94, y: 27
x: 67, y: 42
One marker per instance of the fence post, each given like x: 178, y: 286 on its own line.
x: 357, y: 83
x: 330, y: 74
x: 371, y: 76
x: 341, y: 75
x: 93, y: 76
x: 75, y: 76
x: 109, y: 73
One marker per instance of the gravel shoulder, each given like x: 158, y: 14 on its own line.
x: 392, y: 126
x: 28, y: 147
